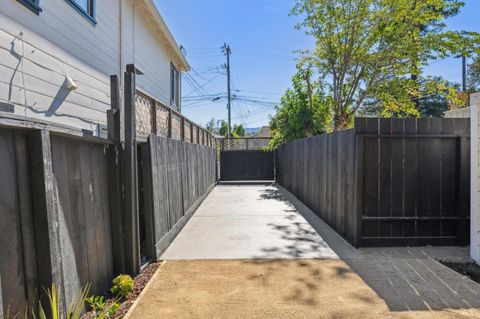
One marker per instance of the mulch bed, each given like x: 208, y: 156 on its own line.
x: 139, y: 282
x: 469, y: 269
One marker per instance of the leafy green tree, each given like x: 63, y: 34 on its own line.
x: 393, y: 98
x: 238, y: 131
x: 223, y: 130
x: 211, y: 126
x: 364, y: 48
x: 303, y: 110
x: 474, y: 75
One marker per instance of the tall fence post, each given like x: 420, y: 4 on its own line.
x: 1, y: 299
x: 115, y: 176
x: 131, y: 231
x: 182, y: 129
x: 170, y: 113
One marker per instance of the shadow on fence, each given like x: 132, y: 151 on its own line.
x: 79, y: 209
x: 387, y: 182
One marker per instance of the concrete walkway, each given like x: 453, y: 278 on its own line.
x: 247, y: 222
x: 257, y: 252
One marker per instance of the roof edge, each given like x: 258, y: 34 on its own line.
x: 163, y: 26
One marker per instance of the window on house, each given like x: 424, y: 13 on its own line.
x: 174, y: 87
x: 32, y: 5
x: 85, y: 7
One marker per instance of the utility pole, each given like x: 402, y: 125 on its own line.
x: 227, y: 51
x: 464, y: 73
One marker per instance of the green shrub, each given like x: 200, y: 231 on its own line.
x: 96, y: 303
x: 122, y: 286
x: 101, y: 308
x: 52, y: 309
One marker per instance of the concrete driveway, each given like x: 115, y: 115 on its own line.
x: 248, y: 222
x: 255, y: 251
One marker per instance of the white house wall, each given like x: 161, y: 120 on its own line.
x: 151, y: 55
x: 38, y: 52
x: 475, y: 178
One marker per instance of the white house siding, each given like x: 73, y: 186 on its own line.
x: 145, y: 47
x: 151, y: 56
x: 37, y: 52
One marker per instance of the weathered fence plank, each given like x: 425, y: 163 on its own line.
x: 12, y: 270
x: 50, y: 269
x: 80, y: 171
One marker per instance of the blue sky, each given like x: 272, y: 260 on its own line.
x: 262, y: 38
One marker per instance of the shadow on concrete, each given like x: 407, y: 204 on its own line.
x: 405, y: 278
x: 304, y: 240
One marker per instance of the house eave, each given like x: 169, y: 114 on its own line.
x: 160, y: 23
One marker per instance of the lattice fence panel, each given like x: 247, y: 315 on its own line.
x: 188, y: 132
x: 195, y: 134
x: 162, y: 120
x: 176, y: 127
x: 242, y: 144
x: 144, y: 110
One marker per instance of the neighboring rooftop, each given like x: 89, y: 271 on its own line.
x: 265, y: 131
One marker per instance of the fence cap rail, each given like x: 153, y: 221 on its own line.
x: 18, y: 122
x: 244, y: 143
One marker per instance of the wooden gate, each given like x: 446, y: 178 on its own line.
x: 386, y: 182
x: 246, y: 159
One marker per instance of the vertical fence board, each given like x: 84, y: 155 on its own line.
x: 11, y: 254
x: 182, y: 173
x: 388, y: 182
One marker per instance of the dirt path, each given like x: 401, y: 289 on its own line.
x: 267, y: 289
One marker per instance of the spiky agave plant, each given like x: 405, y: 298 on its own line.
x: 74, y: 310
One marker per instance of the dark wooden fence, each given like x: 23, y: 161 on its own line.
x: 55, y: 215
x: 78, y: 210
x: 176, y: 178
x: 246, y: 159
x: 320, y: 171
x: 387, y: 182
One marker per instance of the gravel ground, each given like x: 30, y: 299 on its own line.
x: 269, y: 289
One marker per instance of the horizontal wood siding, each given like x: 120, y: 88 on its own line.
x: 38, y: 52
x: 151, y: 55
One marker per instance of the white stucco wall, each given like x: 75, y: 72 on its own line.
x: 38, y: 52
x: 475, y: 178
x: 460, y: 113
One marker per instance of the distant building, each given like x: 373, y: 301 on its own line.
x: 56, y: 57
x: 265, y: 131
